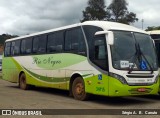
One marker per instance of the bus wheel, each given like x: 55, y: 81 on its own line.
x: 22, y: 82
x: 78, y: 89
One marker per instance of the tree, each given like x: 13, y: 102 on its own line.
x: 119, y: 12
x: 4, y: 37
x: 153, y: 28
x: 95, y: 10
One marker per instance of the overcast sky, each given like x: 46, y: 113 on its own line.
x: 21, y: 17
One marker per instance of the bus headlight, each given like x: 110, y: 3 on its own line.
x: 120, y: 78
x: 156, y: 79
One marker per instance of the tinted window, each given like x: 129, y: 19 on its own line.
x: 90, y: 34
x: 147, y: 48
x: 35, y: 45
x: 15, y: 48
x: 100, y: 52
x: 26, y: 46
x: 74, y: 41
x: 55, y: 42
x: 155, y: 36
x: 157, y: 43
x: 39, y: 44
x: 124, y: 46
x: 97, y: 47
x: 7, y: 51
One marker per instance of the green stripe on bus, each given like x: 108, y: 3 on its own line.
x: 47, y: 79
x: 51, y: 79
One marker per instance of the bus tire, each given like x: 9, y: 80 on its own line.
x: 22, y: 82
x: 78, y: 89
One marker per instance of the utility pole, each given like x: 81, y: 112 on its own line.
x: 142, y: 23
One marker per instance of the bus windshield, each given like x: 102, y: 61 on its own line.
x: 133, y: 51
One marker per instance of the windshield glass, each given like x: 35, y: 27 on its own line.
x: 126, y: 54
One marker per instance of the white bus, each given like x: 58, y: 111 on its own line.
x: 93, y: 57
x: 155, y: 35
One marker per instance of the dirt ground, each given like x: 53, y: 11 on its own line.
x: 11, y: 97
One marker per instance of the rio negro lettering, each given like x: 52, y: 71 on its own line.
x: 48, y: 60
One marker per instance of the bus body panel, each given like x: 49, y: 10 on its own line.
x: 109, y: 86
x: 97, y: 84
x: 116, y: 88
x: 52, y: 70
x: 100, y: 84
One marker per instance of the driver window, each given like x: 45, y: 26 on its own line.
x: 100, y: 52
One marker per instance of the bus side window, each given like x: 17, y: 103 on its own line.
x: 55, y: 42
x: 23, y: 46
x: 68, y: 40
x: 82, y: 45
x: 35, y: 45
x: 157, y: 44
x: 97, y: 47
x: 100, y: 53
x: 26, y: 46
x: 15, y: 48
x: 42, y: 44
x: 12, y: 48
x: 51, y: 43
x: 74, y: 41
x: 7, y: 51
x: 39, y: 44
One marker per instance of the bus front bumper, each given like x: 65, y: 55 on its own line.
x: 116, y: 88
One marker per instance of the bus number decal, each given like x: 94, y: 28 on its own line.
x: 100, y: 89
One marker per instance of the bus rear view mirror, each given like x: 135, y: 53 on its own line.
x: 110, y: 39
x: 109, y: 36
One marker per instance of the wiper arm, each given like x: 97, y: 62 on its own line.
x: 136, y: 56
x: 134, y: 60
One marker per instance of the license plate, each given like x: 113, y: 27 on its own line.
x: 141, y: 90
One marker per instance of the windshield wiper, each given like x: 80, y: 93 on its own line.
x: 141, y: 54
x: 138, y: 55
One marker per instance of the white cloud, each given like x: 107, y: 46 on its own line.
x: 148, y: 10
x: 27, y: 16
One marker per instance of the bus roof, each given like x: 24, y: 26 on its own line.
x: 105, y: 25
x: 154, y: 32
